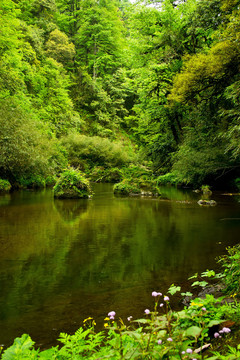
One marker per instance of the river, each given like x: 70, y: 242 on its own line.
x: 64, y: 260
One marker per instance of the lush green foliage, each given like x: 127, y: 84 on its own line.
x: 231, y: 264
x: 169, y: 179
x: 78, y: 78
x: 86, y: 152
x: 112, y: 175
x: 72, y: 184
x: 25, y: 148
x: 165, y: 76
x: 4, y: 185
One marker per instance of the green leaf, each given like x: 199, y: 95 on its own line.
x: 141, y: 321
x: 214, y: 322
x: 208, y: 273
x: 48, y: 354
x: 194, y: 331
x: 193, y: 277
x: 20, y: 347
x: 200, y: 283
x: 182, y: 315
x: 173, y: 289
x: 188, y: 293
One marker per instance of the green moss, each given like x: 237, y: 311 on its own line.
x: 5, y: 185
x: 72, y: 184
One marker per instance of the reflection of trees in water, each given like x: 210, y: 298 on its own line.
x: 5, y: 199
x: 71, y: 209
x: 100, y: 246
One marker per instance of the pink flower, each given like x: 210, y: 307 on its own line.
x: 169, y: 339
x: 189, y: 351
x: 111, y: 315
x: 129, y: 318
x: 226, y: 330
x: 155, y: 293
x: 159, y: 342
x: 204, y: 309
x: 161, y: 305
x: 166, y: 298
x: 216, y: 335
x: 147, y: 311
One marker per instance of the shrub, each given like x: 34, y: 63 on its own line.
x: 200, y: 158
x: 72, y: 184
x: 169, y: 178
x: 4, y: 185
x: 32, y: 182
x: 97, y: 151
x: 231, y: 264
x: 112, y: 175
x: 25, y: 147
x: 137, y: 171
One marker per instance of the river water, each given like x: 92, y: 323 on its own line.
x: 64, y: 260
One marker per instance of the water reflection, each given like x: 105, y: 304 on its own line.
x: 62, y: 261
x: 71, y: 209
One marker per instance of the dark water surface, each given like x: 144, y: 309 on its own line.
x: 64, y: 260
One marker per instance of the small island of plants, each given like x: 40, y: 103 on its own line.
x: 72, y: 184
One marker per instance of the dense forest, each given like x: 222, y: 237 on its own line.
x: 118, y: 89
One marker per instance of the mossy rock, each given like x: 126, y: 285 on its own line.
x: 124, y: 188
x: 5, y: 186
x: 138, y: 187
x: 72, y: 184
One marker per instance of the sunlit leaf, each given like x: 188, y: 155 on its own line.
x: 194, y: 331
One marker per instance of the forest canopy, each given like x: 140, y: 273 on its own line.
x: 82, y: 81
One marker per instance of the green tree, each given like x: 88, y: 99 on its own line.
x: 59, y: 48
x: 209, y: 86
x: 25, y: 147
